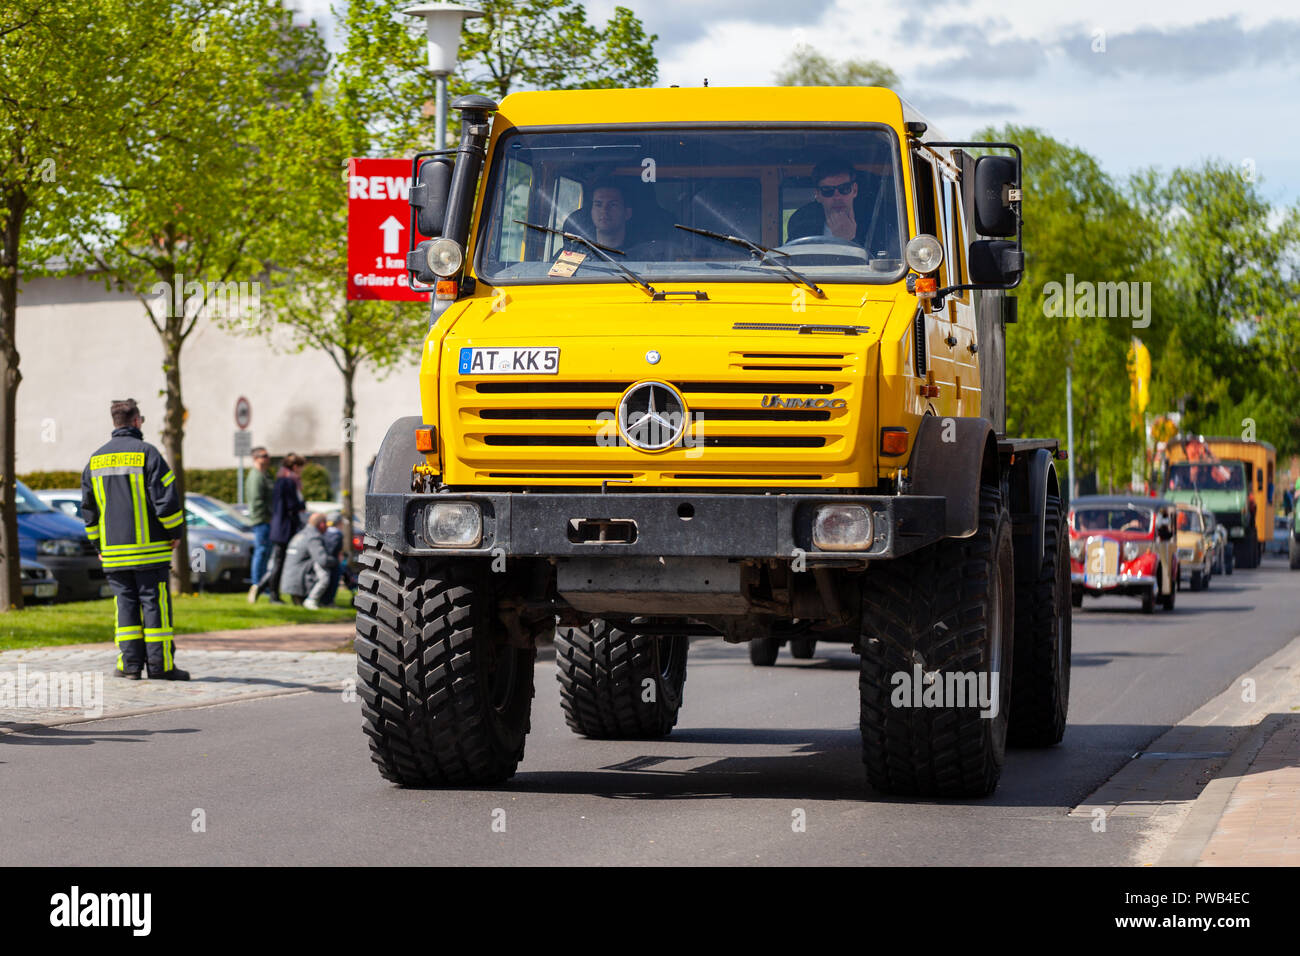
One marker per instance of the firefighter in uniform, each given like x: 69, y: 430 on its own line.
x: 134, y: 514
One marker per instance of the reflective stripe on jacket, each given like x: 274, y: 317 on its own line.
x: 129, y: 503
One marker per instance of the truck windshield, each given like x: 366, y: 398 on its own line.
x: 1216, y: 476
x: 825, y: 200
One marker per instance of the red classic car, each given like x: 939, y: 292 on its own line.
x: 1123, y: 545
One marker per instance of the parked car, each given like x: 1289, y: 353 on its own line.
x: 218, y: 514
x: 39, y: 583
x: 226, y: 558
x: 1195, y: 562
x: 59, y: 542
x: 1123, y: 545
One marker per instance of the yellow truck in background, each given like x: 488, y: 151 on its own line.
x: 1240, y: 497
x: 712, y: 361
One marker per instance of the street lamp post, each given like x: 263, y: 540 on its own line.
x: 442, y: 22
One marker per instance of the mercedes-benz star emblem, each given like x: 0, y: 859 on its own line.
x: 652, y: 416
x: 652, y: 357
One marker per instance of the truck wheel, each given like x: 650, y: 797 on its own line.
x: 763, y: 651
x: 615, y: 683
x: 802, y: 648
x: 444, y: 698
x: 948, y: 608
x: 1248, y: 550
x: 1040, y: 695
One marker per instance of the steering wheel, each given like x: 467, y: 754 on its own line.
x: 821, y: 241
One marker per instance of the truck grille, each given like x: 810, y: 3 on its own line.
x: 529, y: 431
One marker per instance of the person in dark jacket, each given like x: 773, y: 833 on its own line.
x: 332, y: 538
x: 307, y: 565
x: 286, y: 520
x: 134, y: 515
x: 844, y: 208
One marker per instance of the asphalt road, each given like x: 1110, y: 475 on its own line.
x: 288, y: 780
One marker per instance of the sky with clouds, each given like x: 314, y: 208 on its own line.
x: 1134, y: 83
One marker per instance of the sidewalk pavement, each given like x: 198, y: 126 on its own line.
x: 1222, y: 788
x: 48, y: 686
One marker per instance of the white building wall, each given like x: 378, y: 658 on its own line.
x: 82, y: 347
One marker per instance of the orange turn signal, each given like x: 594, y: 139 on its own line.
x: 893, y: 441
x: 424, y: 439
x: 926, y: 287
x: 446, y: 289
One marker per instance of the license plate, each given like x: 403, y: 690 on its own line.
x: 106, y: 590
x: 1100, y: 580
x: 509, y: 361
x: 47, y: 590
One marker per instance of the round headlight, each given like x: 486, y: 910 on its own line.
x: 924, y: 254
x: 445, y: 257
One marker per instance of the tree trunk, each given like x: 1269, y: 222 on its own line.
x: 11, y: 586
x: 173, y: 439
x: 349, y: 451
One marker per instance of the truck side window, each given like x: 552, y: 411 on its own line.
x: 927, y: 207
x: 955, y: 234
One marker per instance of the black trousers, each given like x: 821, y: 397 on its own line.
x: 144, y: 619
x: 270, y: 583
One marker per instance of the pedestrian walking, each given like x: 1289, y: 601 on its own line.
x: 134, y: 515
x: 307, y: 565
x: 286, y: 520
x: 258, y: 486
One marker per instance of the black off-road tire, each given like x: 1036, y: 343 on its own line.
x: 1247, y: 549
x: 444, y: 699
x: 763, y: 651
x: 607, y: 673
x: 803, y: 648
x: 1040, y: 696
x: 940, y: 608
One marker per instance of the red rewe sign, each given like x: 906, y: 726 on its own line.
x: 379, y: 222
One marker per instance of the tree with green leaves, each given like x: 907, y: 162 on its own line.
x: 550, y: 45
x: 59, y: 123
x: 806, y: 66
x: 307, y: 294
x: 189, y: 199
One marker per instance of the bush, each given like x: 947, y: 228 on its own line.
x: 315, y: 483
x: 51, y: 480
x: 220, y: 483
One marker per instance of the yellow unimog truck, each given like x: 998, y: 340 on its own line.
x: 712, y: 362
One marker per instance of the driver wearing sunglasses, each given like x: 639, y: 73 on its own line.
x: 833, y: 211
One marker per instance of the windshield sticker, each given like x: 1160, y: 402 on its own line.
x: 567, y: 264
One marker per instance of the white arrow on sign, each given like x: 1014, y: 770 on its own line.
x: 390, y: 228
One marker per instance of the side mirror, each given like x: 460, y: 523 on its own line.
x: 996, y: 262
x: 995, y: 178
x: 429, y: 196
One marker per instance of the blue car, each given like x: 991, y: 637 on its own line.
x: 59, y: 542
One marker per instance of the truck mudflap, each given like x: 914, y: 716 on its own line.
x: 656, y: 524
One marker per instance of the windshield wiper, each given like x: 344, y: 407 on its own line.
x: 761, y: 253
x: 598, y: 249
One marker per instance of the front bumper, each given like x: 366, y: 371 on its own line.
x: 684, y: 524
x: 1122, y: 583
